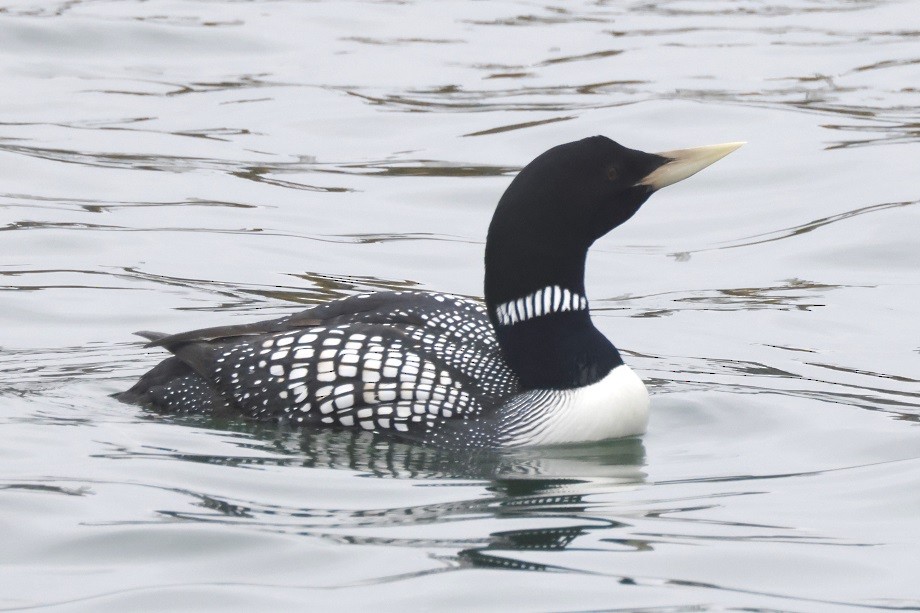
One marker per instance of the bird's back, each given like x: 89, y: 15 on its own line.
x: 405, y: 362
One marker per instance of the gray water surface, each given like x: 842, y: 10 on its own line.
x: 169, y: 165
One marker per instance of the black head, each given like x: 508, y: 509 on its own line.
x: 556, y: 207
x: 566, y: 199
x: 578, y: 191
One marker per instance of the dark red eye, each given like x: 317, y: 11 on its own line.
x: 612, y: 173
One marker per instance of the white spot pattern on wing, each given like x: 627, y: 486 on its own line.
x: 402, y: 365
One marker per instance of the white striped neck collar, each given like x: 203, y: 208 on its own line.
x: 545, y: 301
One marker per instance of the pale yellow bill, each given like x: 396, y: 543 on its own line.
x: 686, y: 163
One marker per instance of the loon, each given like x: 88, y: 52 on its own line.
x: 527, y: 367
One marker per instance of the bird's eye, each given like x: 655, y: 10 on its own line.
x: 612, y: 173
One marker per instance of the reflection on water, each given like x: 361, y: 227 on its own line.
x: 617, y: 461
x: 548, y: 483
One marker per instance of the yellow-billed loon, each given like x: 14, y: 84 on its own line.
x: 526, y: 368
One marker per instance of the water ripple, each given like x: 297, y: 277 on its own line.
x: 801, y: 229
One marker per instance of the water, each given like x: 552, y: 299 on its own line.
x: 172, y: 165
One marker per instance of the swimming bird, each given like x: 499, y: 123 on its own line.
x: 526, y: 367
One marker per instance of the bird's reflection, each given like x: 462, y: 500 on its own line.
x: 539, y: 467
x: 547, y: 487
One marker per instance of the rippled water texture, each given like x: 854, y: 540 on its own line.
x: 172, y: 165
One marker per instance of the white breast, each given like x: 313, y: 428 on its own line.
x: 614, y: 407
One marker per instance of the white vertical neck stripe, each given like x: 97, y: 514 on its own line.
x: 550, y: 299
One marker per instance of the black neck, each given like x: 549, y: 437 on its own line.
x: 558, y: 350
